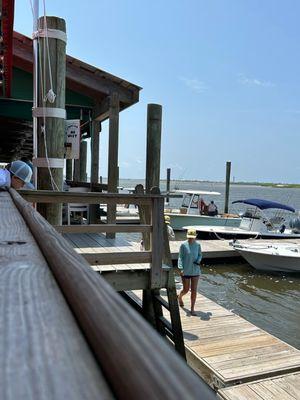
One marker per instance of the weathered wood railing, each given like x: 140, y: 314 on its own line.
x: 136, y: 362
x: 154, y: 203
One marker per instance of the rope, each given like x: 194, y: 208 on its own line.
x: 225, y: 240
x: 42, y: 79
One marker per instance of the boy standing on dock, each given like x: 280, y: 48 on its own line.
x: 189, y: 259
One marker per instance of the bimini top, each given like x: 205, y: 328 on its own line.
x: 200, y: 192
x: 265, y: 204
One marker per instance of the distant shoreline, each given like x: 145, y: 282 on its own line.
x: 264, y: 184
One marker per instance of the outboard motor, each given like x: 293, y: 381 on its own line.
x: 295, y: 224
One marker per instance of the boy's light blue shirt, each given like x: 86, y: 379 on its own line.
x: 4, y: 178
x: 188, y: 255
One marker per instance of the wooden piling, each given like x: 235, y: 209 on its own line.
x: 96, y: 129
x: 227, y: 189
x: 54, y: 135
x: 154, y: 116
x: 114, y: 108
x: 168, y: 183
x: 69, y: 170
x: 83, y: 157
x: 76, y: 170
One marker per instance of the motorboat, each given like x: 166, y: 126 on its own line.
x: 193, y: 211
x: 270, y: 256
x: 254, y: 224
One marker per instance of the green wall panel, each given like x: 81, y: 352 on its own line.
x: 22, y: 89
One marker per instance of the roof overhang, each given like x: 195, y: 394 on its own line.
x: 82, y: 77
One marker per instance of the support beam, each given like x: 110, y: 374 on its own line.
x: 101, y: 110
x: 69, y: 170
x: 76, y: 170
x: 55, y: 127
x: 114, y: 108
x: 83, y: 157
x: 95, y: 147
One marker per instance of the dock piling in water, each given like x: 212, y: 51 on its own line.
x: 227, y: 189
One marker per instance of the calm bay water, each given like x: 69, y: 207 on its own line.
x: 270, y: 301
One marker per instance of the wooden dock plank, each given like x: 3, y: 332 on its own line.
x: 43, y: 353
x: 286, y: 387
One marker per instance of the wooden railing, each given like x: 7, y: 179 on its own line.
x: 154, y: 204
x: 136, y: 362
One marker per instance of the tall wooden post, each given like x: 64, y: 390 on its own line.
x: 114, y: 108
x: 53, y: 131
x: 95, y: 130
x: 69, y: 170
x: 76, y: 170
x: 168, y: 183
x: 227, y: 189
x: 154, y: 114
x: 83, y: 157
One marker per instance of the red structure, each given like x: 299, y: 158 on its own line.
x: 6, y: 46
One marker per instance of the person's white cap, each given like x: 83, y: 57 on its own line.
x: 191, y: 234
x: 21, y: 170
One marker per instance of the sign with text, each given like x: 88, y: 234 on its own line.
x: 72, y: 141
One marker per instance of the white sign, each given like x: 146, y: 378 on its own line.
x: 72, y: 129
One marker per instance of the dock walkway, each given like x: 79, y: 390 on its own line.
x: 223, y: 348
x: 286, y: 387
x: 227, y: 350
x: 98, y: 243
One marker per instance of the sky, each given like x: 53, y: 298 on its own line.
x: 225, y: 71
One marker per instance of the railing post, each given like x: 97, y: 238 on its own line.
x: 157, y: 241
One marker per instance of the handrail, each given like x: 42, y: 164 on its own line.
x: 137, y: 363
x: 98, y: 228
x: 48, y: 196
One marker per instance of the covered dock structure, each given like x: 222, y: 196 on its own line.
x: 92, y: 96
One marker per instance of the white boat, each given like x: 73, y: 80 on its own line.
x: 190, y: 212
x: 254, y: 224
x: 270, y: 256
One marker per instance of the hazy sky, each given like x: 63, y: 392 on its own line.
x: 225, y: 71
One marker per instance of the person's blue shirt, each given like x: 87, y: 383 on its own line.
x: 189, y: 256
x: 5, y: 180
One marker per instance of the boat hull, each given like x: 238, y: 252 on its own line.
x: 210, y: 235
x: 268, y: 262
x: 178, y: 221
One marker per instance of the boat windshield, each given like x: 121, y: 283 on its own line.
x: 190, y: 201
x: 186, y: 200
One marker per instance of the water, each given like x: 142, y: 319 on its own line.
x: 270, y: 301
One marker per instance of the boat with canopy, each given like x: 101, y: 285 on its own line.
x: 255, y: 223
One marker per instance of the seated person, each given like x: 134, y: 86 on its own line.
x: 202, y: 206
x: 16, y: 175
x: 212, y: 209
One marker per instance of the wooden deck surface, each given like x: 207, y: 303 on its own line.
x: 226, y: 349
x: 286, y: 387
x: 97, y: 243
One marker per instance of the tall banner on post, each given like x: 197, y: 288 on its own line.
x: 72, y: 138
